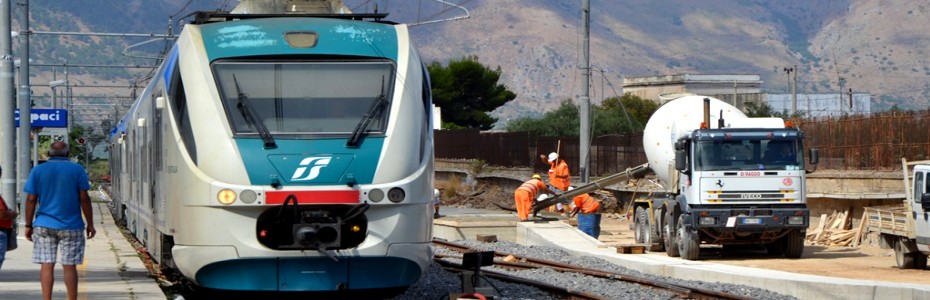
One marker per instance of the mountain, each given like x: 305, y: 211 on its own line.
x: 878, y: 47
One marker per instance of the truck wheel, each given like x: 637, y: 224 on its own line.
x: 641, y: 227
x: 920, y: 261
x: 903, y: 259
x: 689, y: 244
x: 776, y: 248
x: 794, y: 243
x: 671, y: 234
x: 658, y: 241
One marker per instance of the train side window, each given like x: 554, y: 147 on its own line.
x: 918, y: 185
x: 178, y: 104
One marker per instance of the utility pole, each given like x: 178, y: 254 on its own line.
x: 794, y: 100
x: 850, y: 100
x: 7, y: 111
x: 585, y: 134
x: 735, y: 92
x: 794, y: 93
x: 24, y: 98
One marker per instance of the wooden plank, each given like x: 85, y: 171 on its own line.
x: 631, y: 249
x: 823, y: 220
x: 847, y: 218
x: 858, y: 238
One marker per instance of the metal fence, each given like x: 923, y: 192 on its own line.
x: 609, y: 154
x: 873, y: 142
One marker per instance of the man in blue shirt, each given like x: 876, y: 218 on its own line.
x: 59, y: 189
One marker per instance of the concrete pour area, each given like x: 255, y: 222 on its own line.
x: 467, y: 224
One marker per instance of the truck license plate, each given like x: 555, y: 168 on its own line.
x: 752, y: 221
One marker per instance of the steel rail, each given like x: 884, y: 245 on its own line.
x: 530, y: 263
x: 568, y: 293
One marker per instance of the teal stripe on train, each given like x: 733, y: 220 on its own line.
x: 266, y: 37
x: 309, y: 274
x: 310, y: 162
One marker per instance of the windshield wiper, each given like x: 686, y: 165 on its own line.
x: 373, y: 111
x: 251, y: 117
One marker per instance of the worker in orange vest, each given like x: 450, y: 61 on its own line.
x: 559, y: 176
x: 525, y: 194
x: 589, y: 218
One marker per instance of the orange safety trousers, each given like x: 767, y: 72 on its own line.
x: 524, y: 203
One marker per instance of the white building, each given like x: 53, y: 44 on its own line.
x: 822, y: 105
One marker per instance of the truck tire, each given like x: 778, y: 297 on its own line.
x: 641, y: 230
x: 794, y: 243
x: 920, y: 261
x: 689, y: 243
x: 902, y: 258
x: 671, y: 233
x: 776, y: 248
x: 658, y: 240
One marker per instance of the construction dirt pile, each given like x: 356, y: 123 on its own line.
x: 492, y: 197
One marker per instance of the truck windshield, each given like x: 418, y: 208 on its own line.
x: 310, y: 97
x: 723, y: 155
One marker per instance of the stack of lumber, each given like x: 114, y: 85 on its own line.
x: 836, y: 230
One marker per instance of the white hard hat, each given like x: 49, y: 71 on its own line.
x: 553, y: 156
x: 542, y: 197
x: 571, y: 188
x: 435, y: 192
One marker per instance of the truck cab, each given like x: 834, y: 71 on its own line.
x: 744, y: 186
x: 919, y: 201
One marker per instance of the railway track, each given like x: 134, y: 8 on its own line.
x: 517, y: 262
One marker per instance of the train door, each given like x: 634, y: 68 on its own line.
x: 920, y: 187
x: 158, y: 201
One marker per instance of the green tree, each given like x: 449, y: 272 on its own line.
x: 560, y: 122
x: 615, y: 115
x: 466, y: 91
x: 755, y: 110
x: 628, y: 113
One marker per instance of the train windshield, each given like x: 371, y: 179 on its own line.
x: 721, y: 155
x: 310, y: 97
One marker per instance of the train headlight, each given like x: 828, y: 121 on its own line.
x: 226, y: 196
x: 396, y: 195
x: 301, y: 39
x: 248, y: 196
x: 376, y: 195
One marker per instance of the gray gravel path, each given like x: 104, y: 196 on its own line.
x: 438, y: 283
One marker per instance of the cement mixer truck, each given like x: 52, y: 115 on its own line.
x: 724, y: 179
x: 727, y: 179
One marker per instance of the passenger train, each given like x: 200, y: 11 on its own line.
x: 282, y: 151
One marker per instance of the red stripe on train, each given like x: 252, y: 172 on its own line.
x: 313, y: 197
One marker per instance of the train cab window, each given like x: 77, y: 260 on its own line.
x: 312, y: 97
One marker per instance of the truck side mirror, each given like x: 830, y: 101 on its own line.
x: 681, y: 161
x: 814, y: 154
x: 925, y: 201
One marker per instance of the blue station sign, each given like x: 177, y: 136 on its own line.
x: 41, y: 117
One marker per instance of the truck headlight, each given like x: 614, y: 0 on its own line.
x: 708, y: 220
x: 796, y: 220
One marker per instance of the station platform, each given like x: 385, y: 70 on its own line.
x: 470, y: 223
x: 112, y: 268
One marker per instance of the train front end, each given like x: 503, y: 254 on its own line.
x: 303, y: 156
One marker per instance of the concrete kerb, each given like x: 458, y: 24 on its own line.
x: 131, y: 268
x: 798, y: 285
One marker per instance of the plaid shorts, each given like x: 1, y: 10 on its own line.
x: 46, y: 241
